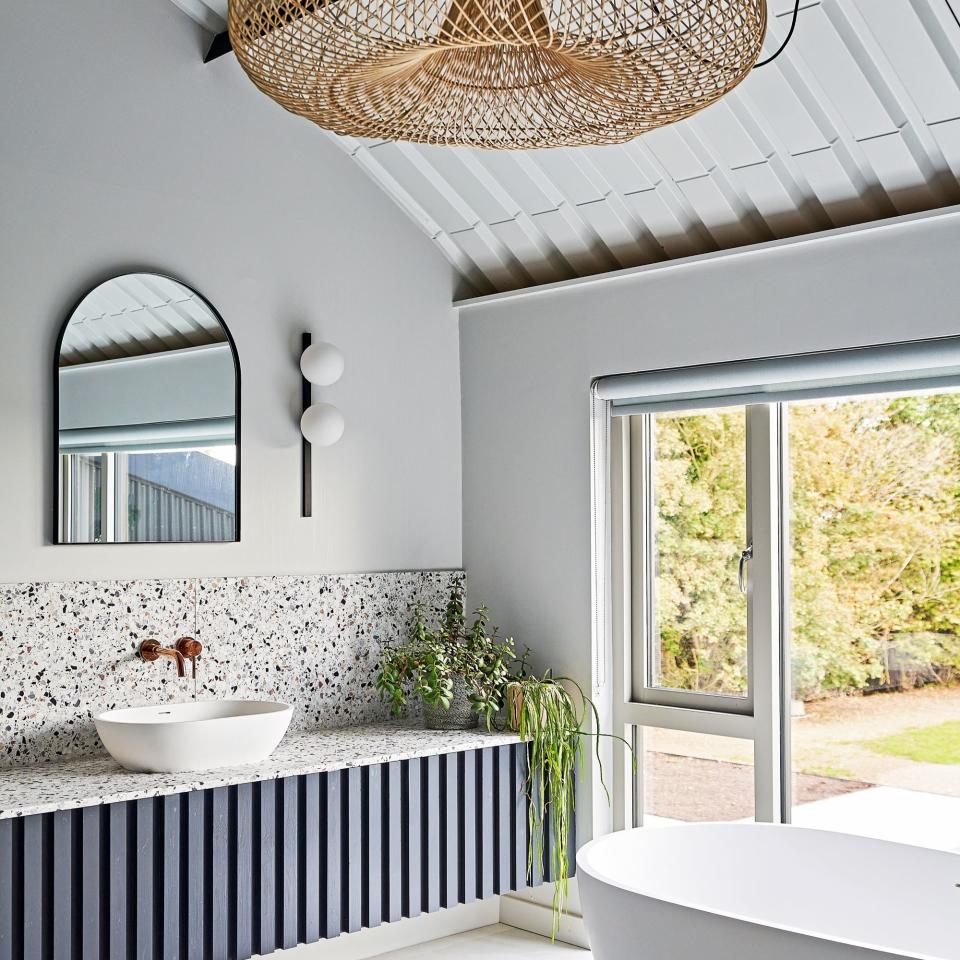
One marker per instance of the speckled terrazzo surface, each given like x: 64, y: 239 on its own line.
x: 85, y: 782
x: 68, y: 650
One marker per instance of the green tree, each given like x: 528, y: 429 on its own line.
x: 875, y: 532
x: 874, y: 512
x: 700, y: 475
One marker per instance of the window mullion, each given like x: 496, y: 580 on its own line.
x: 107, y: 498
x: 620, y: 619
x: 786, y: 678
x: 763, y: 608
x: 640, y: 447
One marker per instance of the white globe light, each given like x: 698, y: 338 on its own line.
x: 322, y: 364
x: 322, y: 424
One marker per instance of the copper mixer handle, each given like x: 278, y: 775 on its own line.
x: 189, y: 649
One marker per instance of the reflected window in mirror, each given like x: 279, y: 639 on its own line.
x: 147, y: 427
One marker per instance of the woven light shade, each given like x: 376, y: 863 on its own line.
x: 502, y: 74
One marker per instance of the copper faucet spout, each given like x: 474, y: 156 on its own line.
x: 151, y: 650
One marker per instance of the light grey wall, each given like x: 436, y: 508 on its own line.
x: 527, y: 365
x: 120, y: 150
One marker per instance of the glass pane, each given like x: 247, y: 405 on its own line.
x: 696, y: 776
x: 875, y: 610
x: 181, y: 495
x: 699, y: 530
x: 83, y: 521
x: 162, y: 496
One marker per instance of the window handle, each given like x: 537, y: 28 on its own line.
x: 745, y: 555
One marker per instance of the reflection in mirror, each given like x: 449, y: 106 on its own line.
x: 147, y: 417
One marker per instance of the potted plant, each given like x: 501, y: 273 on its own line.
x: 459, y: 673
x: 462, y: 674
x: 551, y: 715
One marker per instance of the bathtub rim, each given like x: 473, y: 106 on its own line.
x: 585, y: 867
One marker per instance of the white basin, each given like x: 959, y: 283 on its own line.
x: 203, y: 735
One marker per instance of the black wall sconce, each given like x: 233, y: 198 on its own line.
x: 321, y: 424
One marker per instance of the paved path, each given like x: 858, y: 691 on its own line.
x: 831, y: 740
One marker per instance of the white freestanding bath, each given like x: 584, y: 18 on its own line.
x: 734, y: 891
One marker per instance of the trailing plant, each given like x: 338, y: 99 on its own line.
x: 553, y: 723
x: 427, y: 664
x: 554, y: 727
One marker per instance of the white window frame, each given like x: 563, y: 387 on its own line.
x: 637, y: 704
x: 638, y: 440
x: 114, y: 476
x: 764, y: 387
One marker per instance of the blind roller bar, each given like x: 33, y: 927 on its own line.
x: 624, y: 408
x: 918, y: 365
x: 209, y: 432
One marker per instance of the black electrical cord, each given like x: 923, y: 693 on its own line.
x: 953, y: 12
x: 786, y: 39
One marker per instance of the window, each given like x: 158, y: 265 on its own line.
x: 873, y: 638
x: 786, y: 572
x: 149, y: 496
x: 695, y: 777
x: 697, y: 639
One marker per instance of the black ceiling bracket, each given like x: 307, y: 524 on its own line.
x: 221, y: 45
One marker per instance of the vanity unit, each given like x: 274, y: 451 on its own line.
x: 337, y: 830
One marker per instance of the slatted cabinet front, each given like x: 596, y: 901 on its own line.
x: 229, y: 872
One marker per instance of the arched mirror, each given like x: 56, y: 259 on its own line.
x: 148, y: 414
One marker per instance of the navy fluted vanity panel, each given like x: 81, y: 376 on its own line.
x: 228, y: 872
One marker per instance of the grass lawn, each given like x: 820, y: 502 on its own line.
x: 937, y: 744
x: 827, y: 770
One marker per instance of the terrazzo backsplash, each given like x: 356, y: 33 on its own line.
x: 68, y: 650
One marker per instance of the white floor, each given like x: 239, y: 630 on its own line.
x: 496, y: 942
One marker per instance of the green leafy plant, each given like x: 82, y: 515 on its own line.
x: 555, y: 727
x: 427, y: 664
x: 554, y: 723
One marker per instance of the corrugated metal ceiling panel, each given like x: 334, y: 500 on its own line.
x: 859, y: 119
x: 134, y: 315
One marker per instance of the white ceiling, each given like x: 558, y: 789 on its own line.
x: 858, y: 120
x: 134, y: 315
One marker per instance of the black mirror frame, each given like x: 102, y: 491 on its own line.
x: 55, y: 537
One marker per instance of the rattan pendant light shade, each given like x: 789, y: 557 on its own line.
x: 504, y: 74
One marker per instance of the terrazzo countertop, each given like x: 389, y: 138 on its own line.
x: 68, y: 784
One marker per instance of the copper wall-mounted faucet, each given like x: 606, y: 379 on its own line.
x: 189, y: 649
x: 186, y: 648
x: 151, y: 650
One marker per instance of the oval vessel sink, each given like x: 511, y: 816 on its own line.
x: 179, y: 737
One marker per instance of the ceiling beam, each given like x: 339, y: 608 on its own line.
x: 219, y: 47
x: 284, y: 16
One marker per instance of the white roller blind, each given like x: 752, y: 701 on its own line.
x: 916, y: 365
x: 196, y: 383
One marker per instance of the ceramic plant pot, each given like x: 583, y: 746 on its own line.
x: 514, y: 702
x: 458, y: 716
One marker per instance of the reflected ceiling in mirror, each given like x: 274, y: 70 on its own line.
x: 147, y: 417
